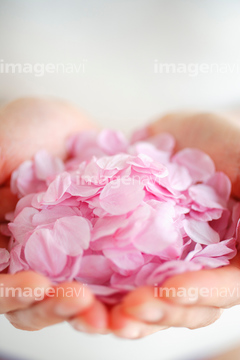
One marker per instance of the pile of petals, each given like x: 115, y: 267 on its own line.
x: 118, y: 215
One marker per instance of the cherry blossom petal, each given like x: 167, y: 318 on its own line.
x: 200, y: 232
x: 206, y: 196
x: 44, y: 255
x: 119, y: 197
x: 22, y: 227
x: 46, y: 165
x: 112, y: 142
x: 159, y: 231
x: 48, y: 216
x: 17, y: 260
x: 163, y: 141
x: 57, y: 188
x: 95, y: 269
x: 72, y: 234
x: 4, y: 259
x: 199, y: 164
x: 83, y: 146
x: 126, y: 259
x: 108, y: 226
x: 221, y: 184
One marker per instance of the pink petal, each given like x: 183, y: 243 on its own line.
x: 210, y: 263
x: 126, y: 259
x: 159, y: 231
x: 22, y: 226
x: 233, y: 226
x: 171, y: 268
x: 149, y: 150
x: 24, y: 181
x: 25, y: 201
x: 94, y: 269
x: 71, y: 269
x: 39, y: 202
x: 57, y: 188
x: 199, y: 164
x: 144, y: 273
x: 94, y: 175
x: 46, y: 165
x: 118, y: 162
x: 83, y: 191
x: 206, y: 196
x: 221, y: 184
x: 144, y: 164
x: 17, y: 260
x: 104, y: 242
x: 4, y: 259
x: 207, y: 215
x: 200, y: 232
x: 221, y: 225
x: 140, y: 135
x: 125, y: 283
x: 44, y: 255
x: 163, y: 141
x: 119, y: 197
x: 72, y: 234
x: 48, y: 216
x: 108, y: 226
x: 112, y: 142
x: 179, y: 178
x: 84, y: 146
x: 132, y: 226
x: 225, y: 247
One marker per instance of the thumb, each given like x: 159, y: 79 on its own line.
x: 29, y: 124
x: 216, y: 135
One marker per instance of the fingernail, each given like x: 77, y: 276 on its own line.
x: 150, y: 312
x: 81, y: 326
x: 131, y: 331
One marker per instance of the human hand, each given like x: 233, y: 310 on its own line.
x: 27, y: 125
x: 142, y: 312
x: 92, y: 315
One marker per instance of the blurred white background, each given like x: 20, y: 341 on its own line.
x: 118, y: 43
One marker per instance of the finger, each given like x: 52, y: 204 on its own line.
x: 4, y: 240
x: 127, y: 327
x: 93, y: 320
x: 30, y: 124
x: 144, y: 306
x: 7, y: 202
x: 215, y: 134
x: 67, y: 300
x: 18, y: 291
x: 216, y: 287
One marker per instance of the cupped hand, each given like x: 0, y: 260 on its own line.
x: 27, y: 125
x: 206, y: 292
x: 30, y: 124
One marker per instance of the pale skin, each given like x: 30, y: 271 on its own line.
x: 27, y: 125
